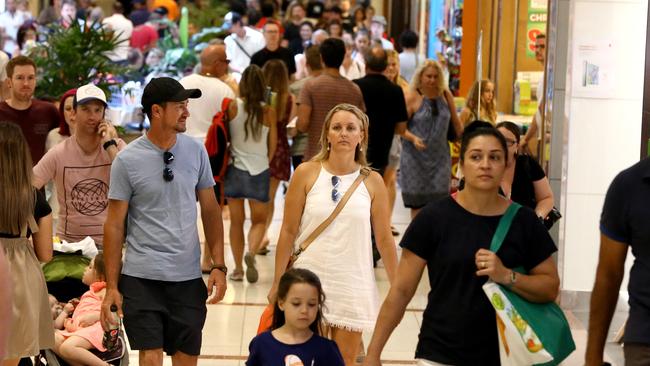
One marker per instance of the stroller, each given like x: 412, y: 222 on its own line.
x: 63, y: 276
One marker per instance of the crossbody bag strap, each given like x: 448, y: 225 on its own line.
x: 504, y: 226
x: 241, y: 47
x: 363, y: 174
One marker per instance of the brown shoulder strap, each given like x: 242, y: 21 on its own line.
x: 363, y: 174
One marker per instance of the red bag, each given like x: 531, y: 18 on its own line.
x: 216, y: 143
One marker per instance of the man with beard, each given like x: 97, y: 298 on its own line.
x: 80, y: 167
x: 155, y: 183
x: 35, y: 118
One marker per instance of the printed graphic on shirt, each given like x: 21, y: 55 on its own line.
x: 293, y: 360
x: 86, y: 198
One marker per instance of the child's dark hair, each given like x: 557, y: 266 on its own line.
x: 290, y: 278
x: 481, y: 128
x: 100, y: 267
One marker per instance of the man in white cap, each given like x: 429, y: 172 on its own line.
x: 377, y: 29
x: 80, y: 167
x: 242, y: 43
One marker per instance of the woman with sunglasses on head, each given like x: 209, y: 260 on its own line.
x: 524, y: 180
x: 451, y: 238
x: 425, y: 165
x: 253, y: 140
x: 341, y: 254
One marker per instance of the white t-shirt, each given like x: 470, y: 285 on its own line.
x: 203, y: 109
x: 356, y: 71
x: 11, y: 23
x: 408, y: 63
x: 122, y: 27
x: 252, y: 42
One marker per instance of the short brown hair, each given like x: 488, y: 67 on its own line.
x: 19, y: 61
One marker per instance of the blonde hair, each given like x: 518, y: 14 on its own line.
x: 472, y: 98
x: 416, y: 82
x: 360, y: 153
x: 277, y: 77
x: 399, y: 80
x: 289, y: 12
x: 16, y: 191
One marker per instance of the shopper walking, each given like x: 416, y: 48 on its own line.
x: 425, y: 163
x: 253, y: 139
x: 488, y: 105
x: 341, y: 255
x: 155, y: 184
x: 276, y: 77
x: 458, y: 326
x: 524, y: 181
x: 26, y: 240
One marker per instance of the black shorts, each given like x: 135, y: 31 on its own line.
x: 161, y: 314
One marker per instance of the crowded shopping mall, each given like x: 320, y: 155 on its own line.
x: 168, y: 169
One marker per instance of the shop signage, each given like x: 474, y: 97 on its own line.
x: 535, y: 24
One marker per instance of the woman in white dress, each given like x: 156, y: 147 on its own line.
x: 342, y: 254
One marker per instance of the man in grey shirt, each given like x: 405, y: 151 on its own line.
x: 156, y: 180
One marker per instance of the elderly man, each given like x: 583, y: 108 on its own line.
x: 377, y: 29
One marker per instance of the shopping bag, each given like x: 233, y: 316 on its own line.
x: 518, y: 343
x: 266, y: 319
x: 528, y: 332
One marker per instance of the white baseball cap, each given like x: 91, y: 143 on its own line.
x: 90, y: 92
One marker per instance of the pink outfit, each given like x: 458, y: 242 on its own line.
x: 89, y: 303
x: 81, y: 182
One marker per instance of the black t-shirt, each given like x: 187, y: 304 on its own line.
x: 625, y: 219
x: 41, y: 209
x: 260, y: 57
x: 459, y: 324
x: 385, y: 107
x: 35, y: 122
x: 291, y: 31
x: 527, y: 171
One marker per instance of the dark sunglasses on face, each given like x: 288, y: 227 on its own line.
x: 168, y: 174
x: 336, y: 195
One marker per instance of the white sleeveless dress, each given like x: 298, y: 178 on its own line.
x: 342, y: 254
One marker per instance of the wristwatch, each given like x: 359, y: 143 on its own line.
x: 109, y: 143
x: 220, y: 267
x: 513, y: 278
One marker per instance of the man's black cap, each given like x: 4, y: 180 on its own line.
x: 164, y: 89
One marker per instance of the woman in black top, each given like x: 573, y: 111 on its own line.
x: 451, y: 237
x: 524, y: 180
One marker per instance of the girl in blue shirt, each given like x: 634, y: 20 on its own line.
x: 294, y: 338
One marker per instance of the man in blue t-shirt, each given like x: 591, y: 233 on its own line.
x: 155, y: 182
x: 623, y: 223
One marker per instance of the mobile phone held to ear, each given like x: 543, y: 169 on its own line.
x: 268, y: 95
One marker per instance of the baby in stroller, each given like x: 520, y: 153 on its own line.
x: 83, y: 332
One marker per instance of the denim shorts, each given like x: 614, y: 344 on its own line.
x: 241, y: 184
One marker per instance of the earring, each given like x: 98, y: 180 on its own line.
x: 328, y: 146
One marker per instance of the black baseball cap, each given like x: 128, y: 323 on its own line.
x: 164, y: 89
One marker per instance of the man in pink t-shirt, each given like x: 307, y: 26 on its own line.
x: 80, y: 167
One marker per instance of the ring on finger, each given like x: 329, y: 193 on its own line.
x: 483, y: 265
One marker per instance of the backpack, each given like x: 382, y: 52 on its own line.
x: 216, y: 143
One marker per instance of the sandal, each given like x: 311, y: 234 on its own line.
x: 263, y: 251
x: 236, y: 276
x: 394, y: 231
x: 251, y: 272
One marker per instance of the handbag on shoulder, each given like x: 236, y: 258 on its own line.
x: 266, y: 319
x: 529, y: 333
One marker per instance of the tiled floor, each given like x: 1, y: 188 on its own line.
x: 231, y: 324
